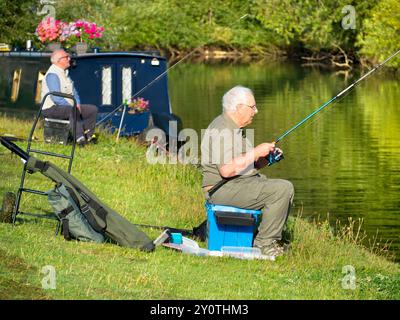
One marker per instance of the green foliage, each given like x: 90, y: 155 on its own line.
x: 180, y: 25
x: 170, y: 25
x: 157, y: 24
x: 314, y: 25
x: 381, y: 36
x: 176, y: 25
x: 16, y: 23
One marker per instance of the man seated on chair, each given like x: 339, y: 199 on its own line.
x: 57, y: 80
x: 229, y: 156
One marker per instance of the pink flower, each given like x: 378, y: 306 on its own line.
x: 139, y: 104
x: 50, y: 29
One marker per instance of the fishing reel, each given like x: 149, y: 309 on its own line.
x: 274, y: 156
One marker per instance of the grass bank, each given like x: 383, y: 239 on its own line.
x: 168, y: 195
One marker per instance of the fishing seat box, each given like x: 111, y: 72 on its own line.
x: 230, y: 226
x: 56, y: 131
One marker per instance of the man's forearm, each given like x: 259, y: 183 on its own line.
x: 76, y: 96
x: 238, y: 165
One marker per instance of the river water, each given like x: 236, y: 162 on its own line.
x: 344, y: 162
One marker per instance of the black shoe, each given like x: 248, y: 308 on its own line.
x: 93, y: 139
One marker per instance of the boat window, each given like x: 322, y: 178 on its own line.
x: 126, y: 84
x: 38, y: 94
x: 106, y: 85
x: 15, y: 84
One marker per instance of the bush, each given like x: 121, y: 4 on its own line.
x: 381, y: 36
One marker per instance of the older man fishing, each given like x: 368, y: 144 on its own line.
x: 230, y: 166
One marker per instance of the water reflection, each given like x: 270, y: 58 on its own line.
x: 345, y: 161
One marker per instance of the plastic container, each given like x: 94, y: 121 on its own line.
x: 197, y: 252
x: 189, y: 243
x: 176, y: 238
x: 230, y: 226
x: 191, y: 247
x: 246, y: 253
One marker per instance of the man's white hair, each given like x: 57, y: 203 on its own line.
x: 234, y: 97
x: 55, y: 55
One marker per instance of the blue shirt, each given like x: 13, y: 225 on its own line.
x: 53, y: 83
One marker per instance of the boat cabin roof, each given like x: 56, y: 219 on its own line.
x: 39, y: 54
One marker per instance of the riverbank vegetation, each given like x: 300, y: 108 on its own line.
x: 336, y: 32
x: 322, y: 263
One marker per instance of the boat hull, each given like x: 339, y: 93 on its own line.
x: 106, y: 80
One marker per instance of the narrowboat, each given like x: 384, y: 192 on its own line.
x: 105, y: 79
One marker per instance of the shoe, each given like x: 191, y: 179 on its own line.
x: 81, y: 142
x: 273, y: 250
x: 93, y: 139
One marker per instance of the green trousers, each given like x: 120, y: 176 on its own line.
x: 274, y: 196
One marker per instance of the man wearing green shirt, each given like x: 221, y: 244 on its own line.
x: 228, y: 155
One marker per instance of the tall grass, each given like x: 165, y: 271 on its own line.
x: 119, y: 174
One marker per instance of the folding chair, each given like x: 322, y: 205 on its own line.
x: 29, y: 150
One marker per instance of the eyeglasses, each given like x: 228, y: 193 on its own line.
x: 68, y: 57
x: 253, y: 107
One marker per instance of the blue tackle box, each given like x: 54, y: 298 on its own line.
x: 230, y: 226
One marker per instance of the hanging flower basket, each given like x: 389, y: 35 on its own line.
x: 77, y: 35
x: 80, y: 48
x: 53, y: 46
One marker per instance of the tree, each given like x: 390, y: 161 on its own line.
x: 310, y: 24
x: 381, y: 36
x: 16, y: 23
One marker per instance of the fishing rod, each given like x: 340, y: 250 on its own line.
x: 276, y: 156
x: 157, y: 78
x: 198, y: 232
